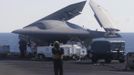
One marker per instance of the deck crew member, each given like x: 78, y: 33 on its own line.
x: 57, y: 58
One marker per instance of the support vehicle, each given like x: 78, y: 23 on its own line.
x: 108, y: 50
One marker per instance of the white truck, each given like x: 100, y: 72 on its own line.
x: 70, y: 51
x: 74, y: 51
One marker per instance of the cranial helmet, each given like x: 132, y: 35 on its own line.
x: 56, y: 44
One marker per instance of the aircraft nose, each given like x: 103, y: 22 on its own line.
x: 17, y: 31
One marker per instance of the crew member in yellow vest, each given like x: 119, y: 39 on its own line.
x: 57, y: 58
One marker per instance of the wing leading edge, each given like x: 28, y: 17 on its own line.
x: 67, y: 12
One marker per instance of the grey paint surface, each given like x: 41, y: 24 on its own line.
x: 55, y: 26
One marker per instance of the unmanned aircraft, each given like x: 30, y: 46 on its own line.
x: 56, y: 27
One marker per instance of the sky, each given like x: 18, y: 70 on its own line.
x: 15, y: 14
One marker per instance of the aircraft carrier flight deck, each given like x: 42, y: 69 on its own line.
x: 28, y: 67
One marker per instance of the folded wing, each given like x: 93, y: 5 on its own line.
x: 103, y: 17
x: 66, y: 13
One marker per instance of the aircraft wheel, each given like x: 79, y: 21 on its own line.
x: 121, y: 60
x: 107, y: 60
x: 94, y: 59
x: 41, y: 56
